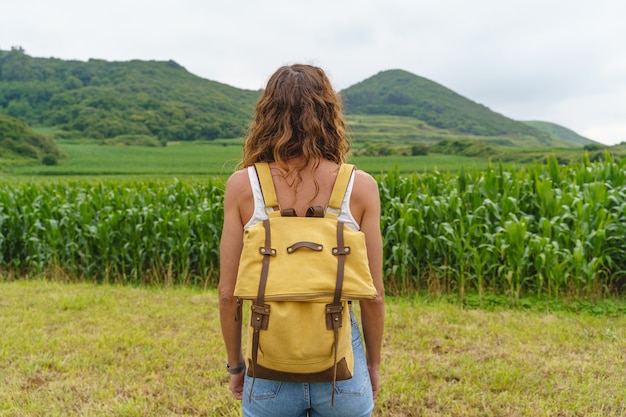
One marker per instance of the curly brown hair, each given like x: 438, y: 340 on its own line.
x: 298, y: 115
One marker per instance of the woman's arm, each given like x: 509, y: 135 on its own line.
x: 367, y: 202
x: 231, y: 244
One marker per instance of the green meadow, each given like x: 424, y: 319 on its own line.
x: 204, y: 159
x: 101, y: 350
x: 175, y: 159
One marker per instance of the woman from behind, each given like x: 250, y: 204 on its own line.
x: 299, y: 129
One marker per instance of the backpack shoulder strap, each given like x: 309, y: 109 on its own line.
x: 269, y: 192
x: 267, y: 185
x: 341, y: 186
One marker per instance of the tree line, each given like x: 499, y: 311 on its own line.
x: 99, y: 99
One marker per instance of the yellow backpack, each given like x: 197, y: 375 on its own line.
x: 300, y: 273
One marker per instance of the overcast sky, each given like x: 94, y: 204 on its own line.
x: 562, y: 61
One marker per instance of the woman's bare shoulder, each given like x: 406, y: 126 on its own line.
x: 364, y: 182
x: 238, y: 179
x: 365, y: 197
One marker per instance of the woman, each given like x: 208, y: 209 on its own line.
x: 299, y: 129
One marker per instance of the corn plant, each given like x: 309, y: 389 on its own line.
x: 127, y: 232
x: 544, y: 229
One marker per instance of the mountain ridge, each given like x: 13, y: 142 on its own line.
x: 560, y: 131
x: 102, y: 99
x: 106, y: 99
x: 399, y: 92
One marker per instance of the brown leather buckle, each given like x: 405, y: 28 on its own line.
x: 288, y: 212
x: 334, y: 316
x: 315, y: 211
x: 260, y: 316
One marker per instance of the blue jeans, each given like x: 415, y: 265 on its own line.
x: 353, y: 397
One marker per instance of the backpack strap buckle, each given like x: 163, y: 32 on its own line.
x: 334, y: 316
x: 341, y: 250
x: 260, y: 316
x: 315, y: 211
x: 267, y: 251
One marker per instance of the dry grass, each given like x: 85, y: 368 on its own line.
x: 445, y: 361
x: 85, y: 350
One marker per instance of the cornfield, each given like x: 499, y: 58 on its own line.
x: 129, y: 232
x: 541, y: 230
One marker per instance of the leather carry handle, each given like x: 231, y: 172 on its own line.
x: 309, y: 245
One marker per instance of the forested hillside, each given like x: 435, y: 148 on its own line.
x: 100, y: 99
x: 152, y: 102
x: 19, y: 142
x: 397, y: 92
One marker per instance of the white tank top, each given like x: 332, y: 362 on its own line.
x: 259, y: 204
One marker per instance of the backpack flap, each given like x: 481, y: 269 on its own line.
x: 303, y: 252
x: 302, y: 264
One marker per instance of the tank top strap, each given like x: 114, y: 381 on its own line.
x: 259, y: 214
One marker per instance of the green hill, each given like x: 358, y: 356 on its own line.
x: 437, y: 108
x: 19, y: 144
x: 100, y: 99
x: 561, y: 132
x: 151, y: 102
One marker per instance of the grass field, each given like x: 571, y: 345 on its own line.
x: 86, y: 350
x: 202, y: 159
x: 184, y: 159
